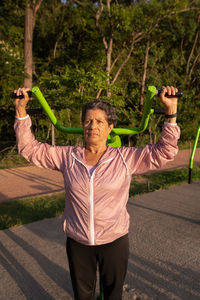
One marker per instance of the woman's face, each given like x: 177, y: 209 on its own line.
x: 96, y: 127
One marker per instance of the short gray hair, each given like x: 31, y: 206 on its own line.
x: 103, y: 105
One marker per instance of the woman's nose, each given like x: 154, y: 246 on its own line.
x: 92, y: 124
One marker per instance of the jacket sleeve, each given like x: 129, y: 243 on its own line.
x: 151, y: 157
x: 40, y: 154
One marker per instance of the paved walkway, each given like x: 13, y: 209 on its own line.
x: 164, y: 261
x: 29, y: 181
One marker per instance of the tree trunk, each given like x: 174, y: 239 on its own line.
x: 28, y: 42
x: 108, y: 67
x: 144, y: 75
x: 30, y: 16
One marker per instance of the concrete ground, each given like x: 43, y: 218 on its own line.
x: 164, y: 262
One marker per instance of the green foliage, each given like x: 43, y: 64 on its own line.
x: 11, y: 47
x: 67, y: 92
x: 71, y: 60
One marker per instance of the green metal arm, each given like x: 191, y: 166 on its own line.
x: 192, y: 154
x: 113, y: 138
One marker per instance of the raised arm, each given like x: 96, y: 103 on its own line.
x: 40, y: 154
x: 151, y: 157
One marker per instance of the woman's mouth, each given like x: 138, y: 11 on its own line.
x: 92, y: 134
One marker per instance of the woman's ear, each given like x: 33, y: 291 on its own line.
x: 111, y: 127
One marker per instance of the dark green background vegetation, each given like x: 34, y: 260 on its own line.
x: 148, y: 43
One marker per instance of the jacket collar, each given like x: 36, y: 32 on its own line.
x: 78, y: 153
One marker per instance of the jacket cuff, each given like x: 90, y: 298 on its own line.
x: 170, y: 124
x: 26, y: 117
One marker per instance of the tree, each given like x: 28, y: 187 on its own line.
x: 103, y: 49
x: 30, y: 18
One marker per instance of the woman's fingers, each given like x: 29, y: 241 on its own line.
x: 170, y: 103
x: 170, y: 90
x: 21, y: 102
x: 22, y: 91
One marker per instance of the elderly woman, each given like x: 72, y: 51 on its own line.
x: 97, y: 179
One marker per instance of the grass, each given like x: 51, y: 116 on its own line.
x: 9, y: 158
x: 30, y: 210
x: 162, y: 180
x: 33, y: 209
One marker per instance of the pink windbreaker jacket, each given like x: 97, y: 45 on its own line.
x: 95, y: 210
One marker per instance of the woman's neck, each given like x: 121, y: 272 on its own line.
x: 95, y: 149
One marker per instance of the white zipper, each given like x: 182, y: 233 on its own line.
x: 92, y: 233
x: 92, y: 209
x: 91, y: 201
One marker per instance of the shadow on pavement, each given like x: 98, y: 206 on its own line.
x: 166, y: 213
x: 33, y: 177
x: 24, y: 280
x: 56, y: 273
x: 163, y: 280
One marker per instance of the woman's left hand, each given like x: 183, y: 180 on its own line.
x: 169, y: 103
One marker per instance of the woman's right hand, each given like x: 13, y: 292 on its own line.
x: 20, y: 104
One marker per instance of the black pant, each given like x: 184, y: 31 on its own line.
x: 112, y: 259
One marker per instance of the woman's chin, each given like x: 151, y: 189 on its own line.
x: 93, y: 136
x: 92, y: 139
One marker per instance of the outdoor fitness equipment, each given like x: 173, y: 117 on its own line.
x: 192, y: 154
x: 113, y: 139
